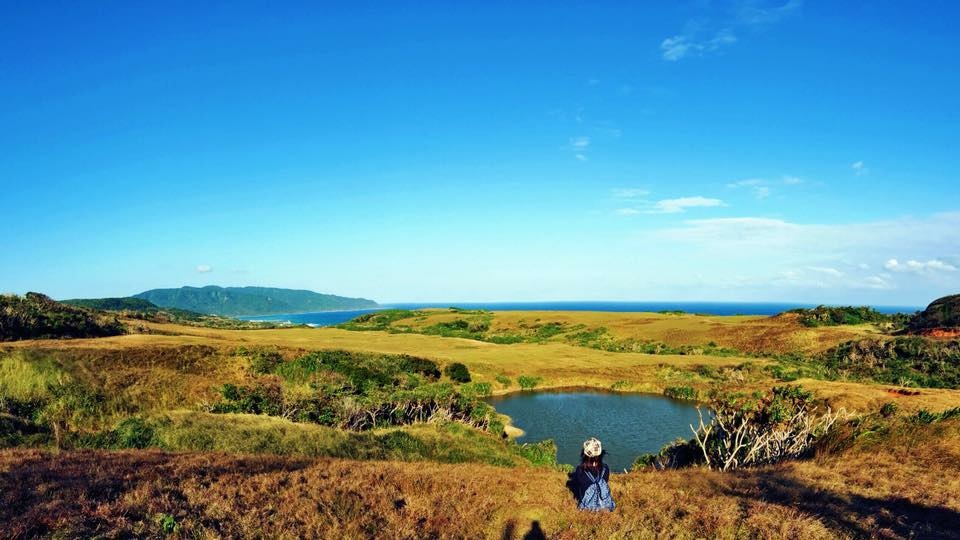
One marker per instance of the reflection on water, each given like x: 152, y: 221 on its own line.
x: 627, y: 424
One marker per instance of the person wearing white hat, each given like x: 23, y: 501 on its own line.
x: 592, y: 478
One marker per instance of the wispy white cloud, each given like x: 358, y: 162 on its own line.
x: 919, y: 267
x: 811, y: 256
x: 757, y: 187
x: 747, y: 183
x: 681, y: 204
x: 877, y: 282
x: 761, y: 192
x: 791, y: 180
x: 629, y: 193
x: 751, y: 12
x: 626, y: 211
x: 579, y: 146
x: 204, y: 268
x: 761, y: 188
x: 826, y: 270
x: 580, y: 142
x: 681, y: 46
x: 719, y: 25
x: 853, y: 241
x: 859, y: 168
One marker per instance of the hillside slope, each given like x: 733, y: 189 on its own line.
x: 943, y: 315
x: 902, y: 485
x: 239, y: 301
x: 37, y: 316
x: 112, y: 304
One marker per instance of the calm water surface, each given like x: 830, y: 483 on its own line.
x: 319, y: 318
x: 627, y: 424
x: 328, y: 318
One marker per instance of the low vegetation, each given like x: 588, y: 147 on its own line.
x: 36, y: 316
x: 849, y: 315
x: 910, y: 361
x: 747, y: 430
x: 883, y: 478
x: 357, y: 391
x: 457, y: 372
x: 161, y: 419
x: 328, y: 397
x: 528, y: 382
x: 941, y: 314
x: 479, y: 325
x: 137, y: 309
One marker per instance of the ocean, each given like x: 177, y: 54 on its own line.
x: 328, y: 318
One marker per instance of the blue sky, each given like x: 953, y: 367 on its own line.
x: 738, y: 150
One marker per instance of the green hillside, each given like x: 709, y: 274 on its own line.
x: 113, y: 304
x: 941, y: 313
x: 36, y: 316
x: 234, y: 301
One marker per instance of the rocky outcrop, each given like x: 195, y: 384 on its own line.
x: 940, y: 319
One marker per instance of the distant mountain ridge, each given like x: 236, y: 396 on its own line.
x: 240, y: 301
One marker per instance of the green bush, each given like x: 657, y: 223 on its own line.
x: 476, y: 389
x: 674, y: 455
x: 413, y: 364
x: 926, y: 417
x: 751, y: 429
x: 264, y: 362
x: 168, y: 524
x: 847, y: 315
x: 504, y: 380
x: 546, y: 331
x: 541, y: 453
x: 135, y: 432
x: 457, y: 372
x: 902, y: 361
x: 70, y: 407
x: 506, y: 339
x: 889, y: 409
x: 37, y: 316
x: 528, y: 382
x: 257, y: 399
x: 680, y: 392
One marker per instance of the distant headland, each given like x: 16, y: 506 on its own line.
x: 236, y: 301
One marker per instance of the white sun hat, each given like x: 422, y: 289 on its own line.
x: 592, y: 447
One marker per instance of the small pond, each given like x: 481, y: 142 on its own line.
x: 627, y: 424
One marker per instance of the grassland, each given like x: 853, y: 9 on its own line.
x: 747, y: 334
x: 555, y: 363
x: 896, y: 486
x: 209, y: 475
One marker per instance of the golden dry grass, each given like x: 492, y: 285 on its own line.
x: 123, y: 362
x: 904, y: 486
x: 747, y: 333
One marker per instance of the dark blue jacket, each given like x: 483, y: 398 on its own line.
x: 581, y: 481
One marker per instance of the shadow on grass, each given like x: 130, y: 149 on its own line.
x: 856, y: 514
x: 572, y: 486
x: 535, y: 532
x: 46, y: 491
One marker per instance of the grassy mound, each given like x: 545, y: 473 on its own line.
x: 36, y: 316
x: 443, y: 442
x: 898, y: 483
x: 941, y: 313
x: 847, y: 315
